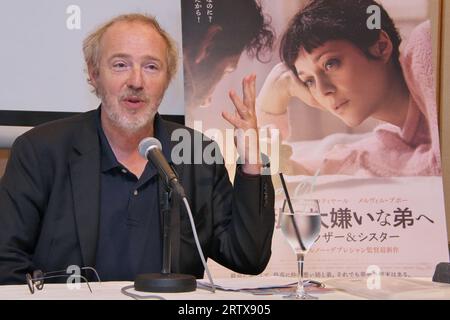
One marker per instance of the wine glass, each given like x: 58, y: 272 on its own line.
x: 301, y: 229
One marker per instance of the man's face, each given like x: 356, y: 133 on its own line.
x: 132, y: 75
x: 201, y: 78
x: 343, y: 80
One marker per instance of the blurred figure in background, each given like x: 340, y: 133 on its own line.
x: 213, y: 44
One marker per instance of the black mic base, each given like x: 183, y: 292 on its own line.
x: 165, y: 282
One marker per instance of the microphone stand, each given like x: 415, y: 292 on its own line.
x: 165, y: 281
x: 167, y: 248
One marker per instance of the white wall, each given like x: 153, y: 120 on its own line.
x: 42, y: 66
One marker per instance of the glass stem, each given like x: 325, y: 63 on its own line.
x: 300, y: 287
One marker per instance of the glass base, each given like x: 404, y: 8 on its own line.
x: 300, y: 296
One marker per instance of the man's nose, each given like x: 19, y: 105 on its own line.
x: 135, y: 80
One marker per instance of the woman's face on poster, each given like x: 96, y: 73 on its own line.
x: 343, y: 80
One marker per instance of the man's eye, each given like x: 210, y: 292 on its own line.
x: 152, y: 67
x: 331, y: 64
x: 119, y: 65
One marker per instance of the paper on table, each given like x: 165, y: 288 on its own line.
x: 248, y: 283
x: 392, y: 288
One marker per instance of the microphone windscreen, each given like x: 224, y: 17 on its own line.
x: 146, y: 144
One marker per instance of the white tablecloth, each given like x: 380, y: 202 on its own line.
x: 336, y: 289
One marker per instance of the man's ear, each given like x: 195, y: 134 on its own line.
x: 207, y: 43
x: 383, y: 48
x: 93, y: 74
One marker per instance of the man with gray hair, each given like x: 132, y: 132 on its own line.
x: 77, y: 191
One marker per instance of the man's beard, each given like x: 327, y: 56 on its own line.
x: 127, y: 121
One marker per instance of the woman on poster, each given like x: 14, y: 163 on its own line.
x: 333, y: 61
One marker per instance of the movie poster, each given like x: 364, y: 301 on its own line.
x: 346, y: 103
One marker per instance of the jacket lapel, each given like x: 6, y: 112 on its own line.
x: 85, y: 178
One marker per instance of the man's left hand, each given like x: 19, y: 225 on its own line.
x: 245, y: 123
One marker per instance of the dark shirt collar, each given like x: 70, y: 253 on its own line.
x: 108, y: 158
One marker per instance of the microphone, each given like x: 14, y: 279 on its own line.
x: 150, y: 149
x: 165, y: 281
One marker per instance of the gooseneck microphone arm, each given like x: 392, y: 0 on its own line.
x: 167, y: 248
